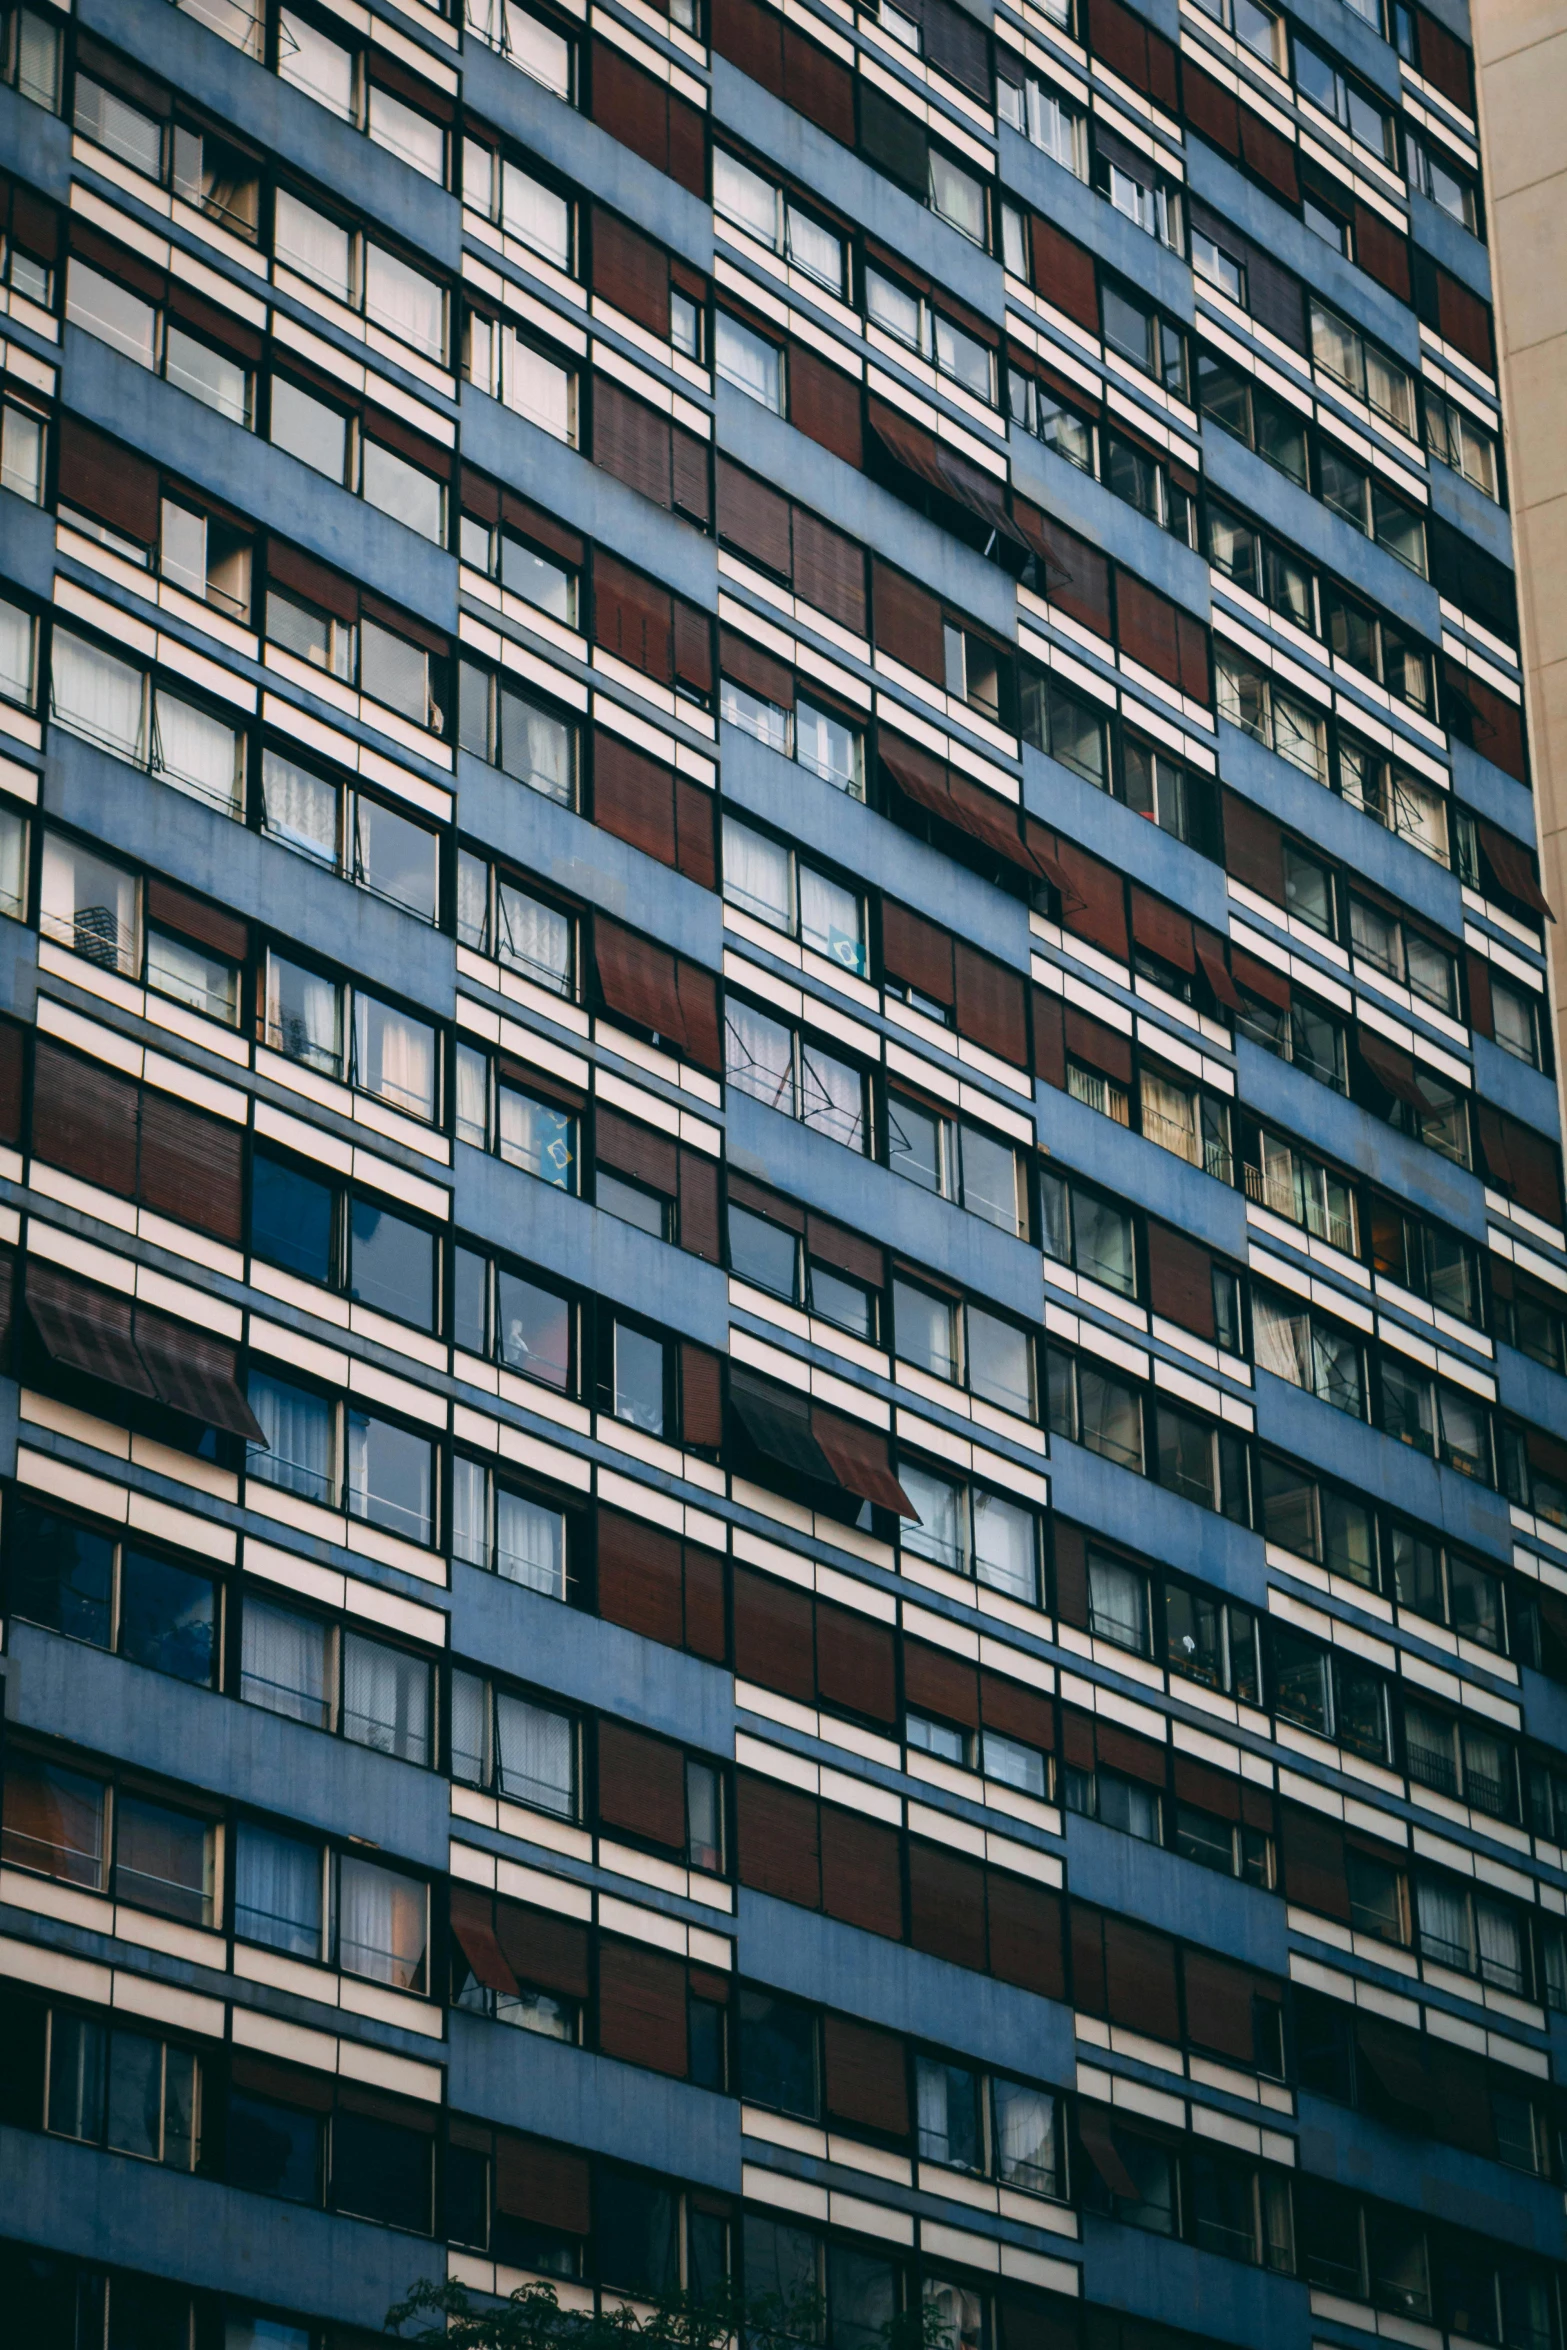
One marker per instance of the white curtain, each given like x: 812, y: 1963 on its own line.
x: 530, y: 1543
x: 537, y: 387
x: 534, y: 938
x: 745, y: 197
x: 16, y: 651
x: 1283, y: 1339
x: 406, y: 302
x: 473, y: 1097
x: 298, y: 1429
x: 536, y: 747
x: 314, y: 245
x: 300, y: 809
x: 285, y: 1664
x: 756, y: 874
x: 1501, y: 1946
x: 471, y: 1756
x: 383, y: 1925
x: 321, y: 68
x: 404, y: 131
x: 13, y: 862
x: 470, y: 1513
x: 536, y: 215
x: 940, y: 1533
x: 1004, y: 1547
x: 1026, y: 2126
x: 196, y: 751
x: 105, y: 308
x: 931, y: 2093
x: 394, y: 1056
x: 406, y: 492
x: 99, y: 697
x: 759, y: 1056
x: 535, y: 1754
x: 277, y: 1891
x: 1443, y: 1912
x: 386, y: 1699
x: 531, y: 45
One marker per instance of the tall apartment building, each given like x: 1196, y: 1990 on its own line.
x: 1521, y: 83
x: 785, y: 1425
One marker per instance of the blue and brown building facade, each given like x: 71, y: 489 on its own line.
x: 783, y: 1438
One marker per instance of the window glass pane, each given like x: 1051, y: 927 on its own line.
x: 168, y: 1617
x: 291, y: 1218
x: 61, y: 1575
x: 941, y: 1531
x: 105, y: 308
x: 390, y: 1477
x: 78, y: 2051
x: 209, y: 376
x: 927, y: 1328
x: 308, y: 429
x: 534, y: 938
x: 753, y: 365
x: 756, y: 875
x: 54, y: 1822
x: 759, y: 1056
x: 304, y: 1016
x: 537, y: 1137
x: 1118, y: 1603
x: 763, y: 1253
x: 163, y: 1860
x: 406, y: 492
x: 202, y: 982
x: 392, y: 1264
x: 299, y: 808
x: 990, y: 1187
x: 639, y: 1379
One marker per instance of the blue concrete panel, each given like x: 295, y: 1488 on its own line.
x: 130, y: 1715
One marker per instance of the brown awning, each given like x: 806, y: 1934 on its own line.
x: 1393, y: 1069
x: 857, y: 1457
x: 1513, y: 866
x: 475, y: 1935
x: 944, y: 469
x: 99, y: 1333
x: 779, y: 1425
x: 195, y: 1374
x: 86, y: 1329
x: 638, y: 979
x: 1210, y: 954
x: 955, y: 799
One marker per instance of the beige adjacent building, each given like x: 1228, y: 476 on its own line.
x: 1521, y: 62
